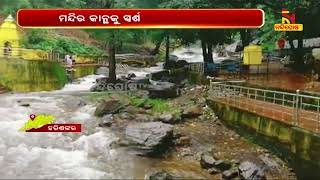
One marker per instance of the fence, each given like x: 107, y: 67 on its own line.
x: 294, y: 108
x: 197, y: 67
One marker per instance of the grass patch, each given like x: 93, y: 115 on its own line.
x: 158, y: 105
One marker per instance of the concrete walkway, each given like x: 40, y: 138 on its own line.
x: 309, y: 120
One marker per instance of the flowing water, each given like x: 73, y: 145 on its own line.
x: 56, y: 155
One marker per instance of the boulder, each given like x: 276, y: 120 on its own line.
x: 160, y: 175
x: 207, y: 161
x: 157, y: 76
x: 230, y: 174
x: 150, y: 138
x: 163, y: 90
x: 193, y: 111
x: 222, y: 165
x: 108, y: 107
x: 249, y: 170
x: 73, y: 103
x: 183, y: 141
x: 131, y: 75
x: 213, y: 171
x: 169, y: 118
x: 106, y: 121
x: 270, y: 163
x: 139, y: 82
x: 25, y: 105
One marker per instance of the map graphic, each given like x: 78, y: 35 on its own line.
x: 38, y: 121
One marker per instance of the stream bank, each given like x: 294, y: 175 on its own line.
x: 196, y: 132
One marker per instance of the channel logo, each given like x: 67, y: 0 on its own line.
x: 288, y: 22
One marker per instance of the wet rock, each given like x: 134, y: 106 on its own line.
x: 150, y: 138
x: 186, y: 152
x: 160, y: 175
x: 213, y: 171
x: 73, y: 103
x: 230, y: 174
x: 106, y: 121
x: 25, y: 104
x: 183, y: 141
x: 130, y: 109
x: 249, y: 170
x: 169, y: 118
x: 270, y: 163
x: 163, y: 90
x: 131, y: 75
x: 143, y: 118
x: 193, y: 111
x: 107, y: 107
x: 222, y: 165
x: 157, y: 76
x: 207, y: 161
x: 142, y: 82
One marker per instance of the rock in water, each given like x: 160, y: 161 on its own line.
x: 106, y: 121
x: 25, y: 105
x: 163, y: 90
x: 150, y: 138
x: 161, y: 175
x: 107, y: 107
x: 249, y: 170
x: 73, y: 103
x: 157, y: 76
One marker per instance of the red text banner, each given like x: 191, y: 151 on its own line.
x: 140, y: 18
x: 57, y: 128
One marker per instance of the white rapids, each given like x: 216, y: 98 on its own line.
x: 57, y: 155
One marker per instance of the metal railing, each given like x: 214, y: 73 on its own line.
x: 197, y: 67
x: 29, y: 54
x: 294, y: 108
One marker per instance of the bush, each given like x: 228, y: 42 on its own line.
x: 39, y: 39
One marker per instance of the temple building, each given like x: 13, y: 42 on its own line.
x: 9, y: 35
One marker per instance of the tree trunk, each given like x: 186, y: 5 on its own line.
x: 245, y: 39
x: 297, y: 53
x: 167, y: 48
x: 210, y: 56
x: 112, y: 60
x: 204, y: 51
